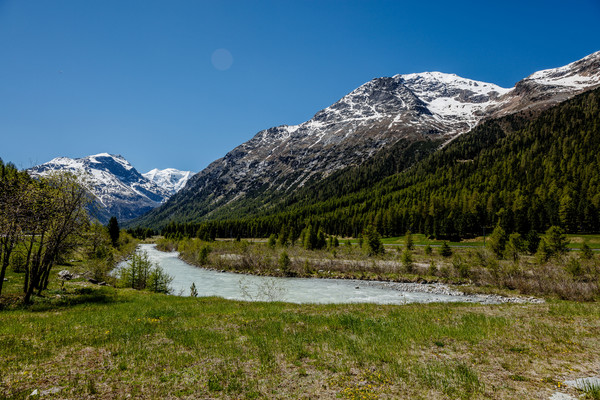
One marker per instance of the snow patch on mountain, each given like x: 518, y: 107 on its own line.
x: 170, y: 179
x: 581, y: 74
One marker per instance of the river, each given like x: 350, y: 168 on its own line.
x: 296, y: 290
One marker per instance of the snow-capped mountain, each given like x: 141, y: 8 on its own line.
x: 423, y: 106
x: 548, y: 87
x: 170, y: 179
x: 119, y: 189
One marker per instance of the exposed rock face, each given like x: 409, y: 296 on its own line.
x: 118, y: 188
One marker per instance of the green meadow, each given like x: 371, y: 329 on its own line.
x: 92, y: 342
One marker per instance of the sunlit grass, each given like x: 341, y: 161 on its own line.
x: 108, y: 343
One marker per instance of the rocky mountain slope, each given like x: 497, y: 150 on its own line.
x: 118, y: 188
x: 415, y: 107
x: 171, y: 179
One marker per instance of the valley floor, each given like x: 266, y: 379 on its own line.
x: 104, y: 343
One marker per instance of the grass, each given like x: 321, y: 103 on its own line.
x: 102, y: 343
x: 592, y: 392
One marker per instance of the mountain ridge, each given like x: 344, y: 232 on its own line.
x: 414, y: 107
x: 118, y: 189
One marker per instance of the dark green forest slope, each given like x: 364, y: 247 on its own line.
x: 522, y: 171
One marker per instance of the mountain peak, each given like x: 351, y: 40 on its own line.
x: 119, y: 189
x: 170, y: 179
x: 578, y: 75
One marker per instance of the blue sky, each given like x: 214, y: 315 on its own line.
x: 138, y: 78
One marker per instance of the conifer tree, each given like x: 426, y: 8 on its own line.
x: 445, y: 250
x: 113, y: 230
x: 373, y: 241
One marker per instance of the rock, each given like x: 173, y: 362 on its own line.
x: 65, y: 275
x: 92, y: 280
x: 34, y: 393
x: 584, y: 383
x: 561, y: 396
x: 103, y: 284
x: 53, y: 390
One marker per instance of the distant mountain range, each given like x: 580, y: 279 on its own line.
x: 118, y: 188
x: 392, y: 122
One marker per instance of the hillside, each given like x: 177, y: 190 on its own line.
x: 525, y: 171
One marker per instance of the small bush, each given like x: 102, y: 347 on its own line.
x: 573, y: 267
x: 461, y: 267
x: 586, y: 252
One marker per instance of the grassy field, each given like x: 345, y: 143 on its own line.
x: 103, y: 343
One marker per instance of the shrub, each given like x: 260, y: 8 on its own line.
x: 544, y: 252
x: 432, y: 270
x: 159, y: 281
x: 573, y: 267
x: 461, y: 267
x: 17, y: 262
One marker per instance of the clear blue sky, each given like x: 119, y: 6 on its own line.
x: 138, y: 78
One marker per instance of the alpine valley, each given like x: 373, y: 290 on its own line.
x: 342, y: 168
x: 118, y: 189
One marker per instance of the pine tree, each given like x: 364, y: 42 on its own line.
x: 445, y: 250
x: 497, y: 241
x: 586, y: 251
x: 407, y: 261
x: 373, y: 241
x: 113, y: 230
x: 408, y: 241
x: 533, y: 241
x: 514, y: 247
x: 557, y: 240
